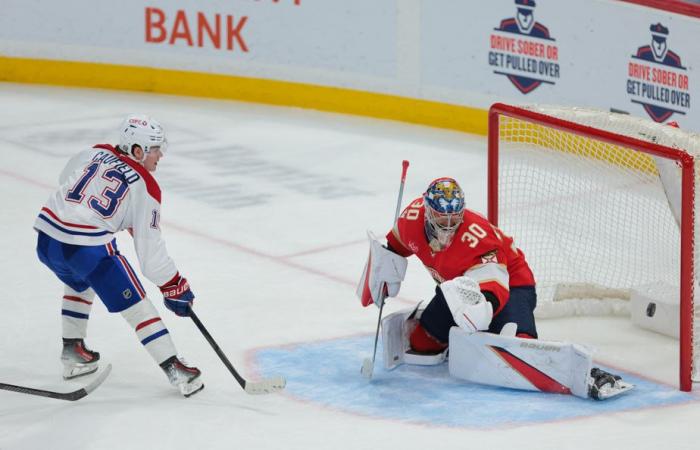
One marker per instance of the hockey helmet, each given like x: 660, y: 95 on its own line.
x: 444, y: 211
x: 141, y: 130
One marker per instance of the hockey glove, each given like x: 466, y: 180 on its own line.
x: 177, y: 295
x: 470, y: 310
x: 384, y: 271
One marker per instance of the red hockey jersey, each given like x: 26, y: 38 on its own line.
x: 479, y: 250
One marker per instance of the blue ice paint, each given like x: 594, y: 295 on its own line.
x: 328, y: 373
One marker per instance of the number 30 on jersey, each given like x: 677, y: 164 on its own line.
x: 472, y: 236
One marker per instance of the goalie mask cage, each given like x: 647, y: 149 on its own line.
x: 601, y: 201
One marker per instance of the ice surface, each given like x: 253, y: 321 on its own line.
x: 265, y: 211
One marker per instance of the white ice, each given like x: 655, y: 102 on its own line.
x: 265, y: 211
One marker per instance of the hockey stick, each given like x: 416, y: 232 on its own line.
x: 368, y: 364
x: 70, y: 396
x: 264, y: 386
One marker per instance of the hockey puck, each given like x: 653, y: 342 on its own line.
x: 651, y: 309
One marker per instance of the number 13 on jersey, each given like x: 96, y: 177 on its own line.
x: 106, y: 203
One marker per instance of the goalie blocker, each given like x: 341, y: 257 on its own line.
x: 504, y: 360
x: 383, y: 273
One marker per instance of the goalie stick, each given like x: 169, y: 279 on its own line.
x: 368, y: 364
x: 70, y: 396
x: 264, y: 386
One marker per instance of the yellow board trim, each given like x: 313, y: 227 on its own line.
x: 272, y: 92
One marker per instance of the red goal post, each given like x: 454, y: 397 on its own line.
x: 604, y: 147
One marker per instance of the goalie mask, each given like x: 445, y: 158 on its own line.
x: 444, y: 211
x: 142, y: 131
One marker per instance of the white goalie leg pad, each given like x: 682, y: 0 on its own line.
x: 396, y: 348
x: 150, y: 330
x: 469, y: 307
x: 518, y: 363
x: 75, y: 312
x: 395, y: 333
x: 384, y: 271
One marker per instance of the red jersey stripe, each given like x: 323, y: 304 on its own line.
x: 68, y: 224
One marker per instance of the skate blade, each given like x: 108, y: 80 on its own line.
x: 194, y: 392
x: 613, y: 391
x: 191, y: 388
x: 72, y: 372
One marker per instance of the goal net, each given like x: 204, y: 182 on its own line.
x: 602, y: 205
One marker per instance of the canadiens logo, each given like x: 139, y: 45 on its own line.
x: 656, y: 78
x: 523, y: 51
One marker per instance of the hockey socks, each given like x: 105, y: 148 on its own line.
x: 150, y: 330
x: 152, y: 333
x: 75, y: 312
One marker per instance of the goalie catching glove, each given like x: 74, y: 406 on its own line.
x: 470, y: 310
x: 177, y: 295
x: 383, y: 274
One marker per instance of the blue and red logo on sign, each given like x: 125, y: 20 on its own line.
x: 657, y: 79
x: 523, y: 50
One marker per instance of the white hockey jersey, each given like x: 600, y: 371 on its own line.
x: 102, y: 192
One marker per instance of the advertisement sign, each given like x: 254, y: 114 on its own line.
x: 603, y: 54
x: 281, y: 39
x: 597, y: 54
x: 657, y: 79
x: 523, y: 50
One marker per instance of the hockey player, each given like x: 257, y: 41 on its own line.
x: 104, y: 190
x: 484, y: 283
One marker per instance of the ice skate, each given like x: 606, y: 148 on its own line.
x: 604, y: 385
x: 77, y: 359
x: 185, y: 378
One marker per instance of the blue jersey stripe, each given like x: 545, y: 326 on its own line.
x: 77, y: 315
x: 67, y: 231
x: 154, y: 336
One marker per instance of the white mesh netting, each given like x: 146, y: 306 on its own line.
x: 593, y: 219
